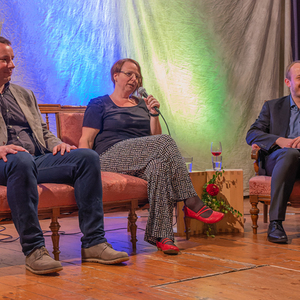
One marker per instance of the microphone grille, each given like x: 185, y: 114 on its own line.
x: 141, y: 90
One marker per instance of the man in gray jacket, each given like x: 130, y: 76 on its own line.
x: 31, y: 154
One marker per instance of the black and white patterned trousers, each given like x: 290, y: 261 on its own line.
x: 157, y: 160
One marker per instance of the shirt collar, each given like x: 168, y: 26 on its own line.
x: 6, y: 86
x: 292, y: 103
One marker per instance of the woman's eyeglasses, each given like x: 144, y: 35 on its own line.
x: 130, y: 74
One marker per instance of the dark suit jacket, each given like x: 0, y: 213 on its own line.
x: 272, y: 123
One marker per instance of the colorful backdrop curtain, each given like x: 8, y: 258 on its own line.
x: 211, y: 64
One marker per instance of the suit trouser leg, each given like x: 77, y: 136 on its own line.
x: 19, y: 174
x: 283, y: 166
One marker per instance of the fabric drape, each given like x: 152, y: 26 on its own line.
x: 211, y: 64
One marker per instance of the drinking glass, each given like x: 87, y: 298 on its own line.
x: 189, y: 163
x: 216, y: 150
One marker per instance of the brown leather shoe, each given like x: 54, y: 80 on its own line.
x: 104, y: 254
x: 40, y: 262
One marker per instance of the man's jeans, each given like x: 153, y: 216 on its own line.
x: 79, y: 168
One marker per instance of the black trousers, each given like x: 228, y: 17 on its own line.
x: 283, y: 166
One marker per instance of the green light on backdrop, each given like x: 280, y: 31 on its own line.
x: 182, y: 68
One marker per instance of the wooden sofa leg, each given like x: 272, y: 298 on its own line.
x: 132, y: 218
x: 265, y: 213
x: 254, y: 213
x: 54, y: 226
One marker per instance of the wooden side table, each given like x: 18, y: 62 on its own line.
x: 231, y: 190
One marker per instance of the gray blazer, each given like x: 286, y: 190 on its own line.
x: 272, y: 123
x: 28, y: 104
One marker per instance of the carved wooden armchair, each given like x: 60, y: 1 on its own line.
x: 260, y: 191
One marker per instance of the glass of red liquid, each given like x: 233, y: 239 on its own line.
x: 216, y: 151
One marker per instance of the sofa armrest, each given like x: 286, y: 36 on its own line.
x: 255, y: 156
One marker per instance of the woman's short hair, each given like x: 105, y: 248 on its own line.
x: 117, y: 67
x: 3, y: 40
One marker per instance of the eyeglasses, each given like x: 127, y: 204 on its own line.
x: 130, y: 74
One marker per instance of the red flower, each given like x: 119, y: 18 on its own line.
x: 212, y: 189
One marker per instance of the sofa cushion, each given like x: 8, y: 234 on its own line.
x: 50, y: 195
x: 122, y: 187
x: 261, y: 185
x: 116, y: 187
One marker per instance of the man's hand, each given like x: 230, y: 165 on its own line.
x: 288, y: 143
x: 255, y: 147
x: 295, y: 143
x: 63, y: 147
x: 10, y: 149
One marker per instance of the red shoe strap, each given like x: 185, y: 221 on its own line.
x: 203, y: 210
x: 165, y: 240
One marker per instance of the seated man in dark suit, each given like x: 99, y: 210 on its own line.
x: 31, y: 154
x: 277, y: 133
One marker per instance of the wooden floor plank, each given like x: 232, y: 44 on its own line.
x: 259, y: 283
x: 238, y: 266
x: 15, y: 292
x: 249, y: 253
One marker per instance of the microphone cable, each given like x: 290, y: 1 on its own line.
x: 165, y: 123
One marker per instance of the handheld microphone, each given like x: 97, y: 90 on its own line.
x: 143, y: 93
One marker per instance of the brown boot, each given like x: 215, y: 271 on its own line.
x: 104, y: 254
x: 40, y: 262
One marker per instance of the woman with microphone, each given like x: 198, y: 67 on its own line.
x: 125, y: 131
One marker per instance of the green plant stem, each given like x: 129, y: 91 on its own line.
x: 217, y: 204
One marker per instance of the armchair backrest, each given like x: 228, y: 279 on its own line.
x: 70, y: 125
x: 68, y: 121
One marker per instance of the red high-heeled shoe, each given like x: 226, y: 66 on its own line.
x: 213, y: 218
x: 166, y: 248
x: 189, y: 214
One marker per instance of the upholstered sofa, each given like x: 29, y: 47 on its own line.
x: 120, y: 192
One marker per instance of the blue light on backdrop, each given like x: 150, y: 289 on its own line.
x: 64, y: 51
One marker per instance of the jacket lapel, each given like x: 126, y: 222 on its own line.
x: 3, y: 131
x: 282, y: 117
x: 27, y: 105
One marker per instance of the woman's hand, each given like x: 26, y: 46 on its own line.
x: 151, y: 102
x: 155, y: 127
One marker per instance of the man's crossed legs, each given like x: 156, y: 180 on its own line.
x: 283, y: 166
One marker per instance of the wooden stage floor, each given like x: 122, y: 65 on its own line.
x: 241, y: 266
